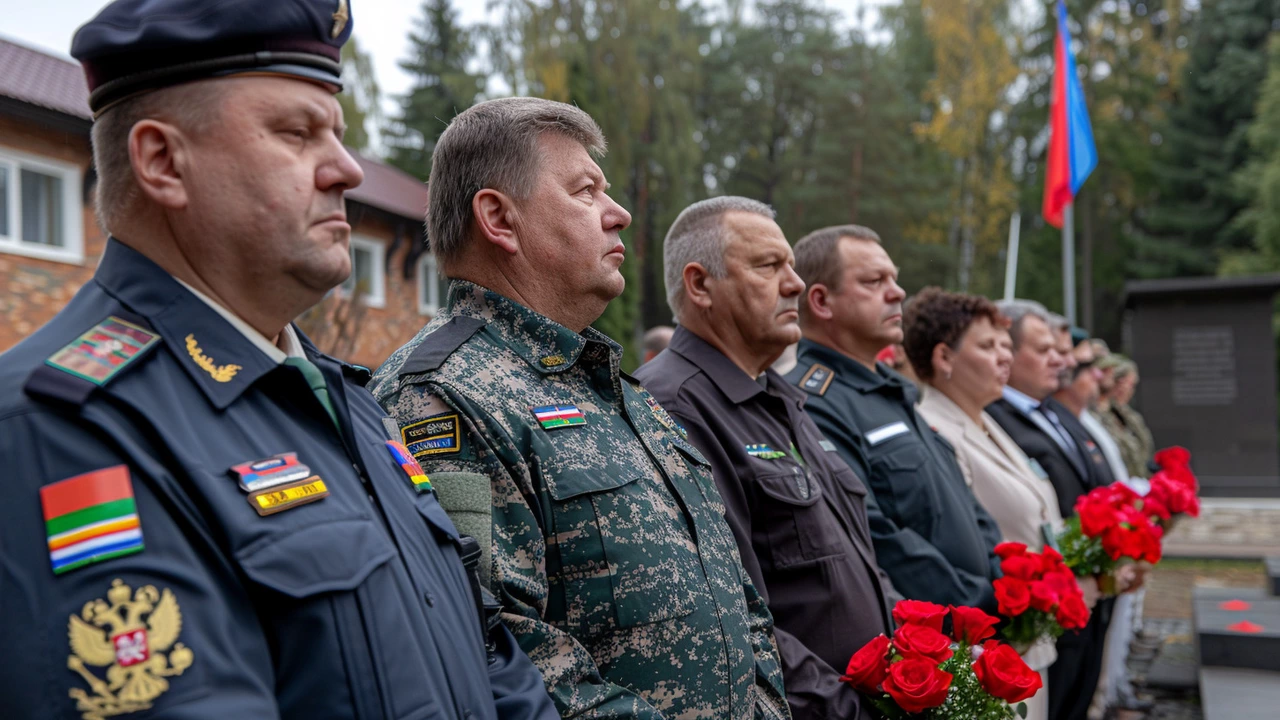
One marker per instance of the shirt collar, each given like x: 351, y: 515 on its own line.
x: 735, y: 384
x: 542, y: 342
x: 1022, y: 401
x: 220, y: 359
x: 289, y: 344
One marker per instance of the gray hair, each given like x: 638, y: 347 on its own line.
x: 1058, y: 323
x: 699, y: 236
x: 494, y: 145
x: 193, y: 107
x: 1018, y: 311
x: 818, y: 259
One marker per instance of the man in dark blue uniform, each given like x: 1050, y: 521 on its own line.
x: 203, y: 516
x: 931, y: 535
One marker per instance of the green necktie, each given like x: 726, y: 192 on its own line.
x: 315, y: 379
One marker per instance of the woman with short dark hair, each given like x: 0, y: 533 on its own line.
x: 960, y: 348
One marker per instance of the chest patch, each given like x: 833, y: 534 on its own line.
x: 885, y: 432
x: 552, y: 417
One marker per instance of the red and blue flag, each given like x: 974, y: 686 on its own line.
x: 1072, y: 152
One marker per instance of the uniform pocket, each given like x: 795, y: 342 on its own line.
x: 902, y: 471
x: 624, y: 562
x: 335, y: 556
x: 795, y: 525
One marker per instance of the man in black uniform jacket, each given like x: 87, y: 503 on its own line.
x: 797, y: 511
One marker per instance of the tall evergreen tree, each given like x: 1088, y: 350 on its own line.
x: 1259, y: 180
x: 443, y: 85
x: 360, y: 96
x: 1205, y: 143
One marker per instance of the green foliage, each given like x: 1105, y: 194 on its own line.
x: 1259, y: 181
x: 360, y: 95
x: 440, y: 53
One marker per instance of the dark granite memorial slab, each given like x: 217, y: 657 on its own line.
x: 1273, y: 574
x: 1174, y: 668
x: 1239, y: 694
x: 1247, y: 636
x: 1207, y: 593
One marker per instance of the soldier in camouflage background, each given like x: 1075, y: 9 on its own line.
x: 609, y: 550
x: 1125, y: 425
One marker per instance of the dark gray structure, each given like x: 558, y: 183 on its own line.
x: 1206, y: 355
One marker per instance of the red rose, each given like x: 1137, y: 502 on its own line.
x: 1023, y: 567
x: 1043, y: 596
x: 1175, y: 456
x: 1007, y: 550
x: 1003, y: 674
x: 1095, y: 517
x: 869, y: 666
x: 917, y: 685
x: 971, y: 625
x: 1051, y: 559
x: 1155, y: 503
x: 1063, y: 583
x: 919, y: 612
x: 922, y: 641
x: 1072, y: 613
x: 1012, y: 595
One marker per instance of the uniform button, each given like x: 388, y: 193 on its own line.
x: 431, y: 599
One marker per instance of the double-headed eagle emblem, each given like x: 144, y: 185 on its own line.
x: 128, y: 634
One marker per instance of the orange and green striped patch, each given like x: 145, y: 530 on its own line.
x: 90, y: 518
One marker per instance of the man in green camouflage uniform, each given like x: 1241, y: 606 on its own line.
x: 1125, y: 425
x: 610, y: 555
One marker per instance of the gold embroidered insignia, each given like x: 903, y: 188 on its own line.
x: 114, y: 634
x: 340, y: 19
x: 552, y: 360
x: 219, y: 373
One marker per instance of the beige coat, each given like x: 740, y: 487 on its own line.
x: 998, y: 471
x: 1020, y: 501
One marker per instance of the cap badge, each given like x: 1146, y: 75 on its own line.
x: 340, y: 19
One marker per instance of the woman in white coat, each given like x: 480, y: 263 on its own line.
x: 960, y: 349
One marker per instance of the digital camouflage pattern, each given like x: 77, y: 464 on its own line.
x: 610, y: 553
x: 1127, y: 427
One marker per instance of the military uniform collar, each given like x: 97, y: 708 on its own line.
x: 735, y: 384
x: 545, y: 344
x: 849, y: 370
x: 219, y: 358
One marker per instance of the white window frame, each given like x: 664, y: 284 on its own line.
x: 376, y: 297
x: 428, y: 275
x: 72, y: 250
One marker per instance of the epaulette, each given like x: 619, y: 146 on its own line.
x: 439, y: 345
x: 92, y: 360
x: 358, y: 374
x: 817, y: 379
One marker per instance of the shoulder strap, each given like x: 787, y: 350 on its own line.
x: 93, y: 359
x: 817, y: 379
x: 439, y: 345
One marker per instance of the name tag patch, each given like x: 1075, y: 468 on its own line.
x: 885, y: 432
x: 437, y: 435
x: 287, y: 497
x: 270, y: 472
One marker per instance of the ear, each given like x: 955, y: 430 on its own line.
x: 158, y: 156
x: 494, y: 215
x: 942, y: 360
x: 695, y: 278
x: 819, y: 302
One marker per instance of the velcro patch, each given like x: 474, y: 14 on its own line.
x: 278, y: 499
x: 436, y: 435
x: 104, y: 350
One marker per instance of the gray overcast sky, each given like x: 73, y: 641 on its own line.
x: 381, y: 27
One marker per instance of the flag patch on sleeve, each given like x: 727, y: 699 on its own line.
x: 91, y: 517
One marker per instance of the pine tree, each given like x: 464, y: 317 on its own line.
x: 443, y: 86
x: 1205, y: 143
x: 1259, y: 180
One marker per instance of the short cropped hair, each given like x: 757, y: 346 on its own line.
x: 1018, y: 311
x: 194, y: 107
x: 818, y: 256
x: 657, y: 338
x: 494, y: 145
x: 937, y: 316
x: 699, y: 235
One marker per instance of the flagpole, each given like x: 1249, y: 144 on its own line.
x: 1069, y: 263
x: 1011, y: 259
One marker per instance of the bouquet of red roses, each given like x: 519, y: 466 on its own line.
x: 925, y: 673
x: 1039, y: 594
x: 1111, y: 523
x: 1174, y: 489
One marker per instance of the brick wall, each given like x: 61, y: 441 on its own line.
x: 32, y: 291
